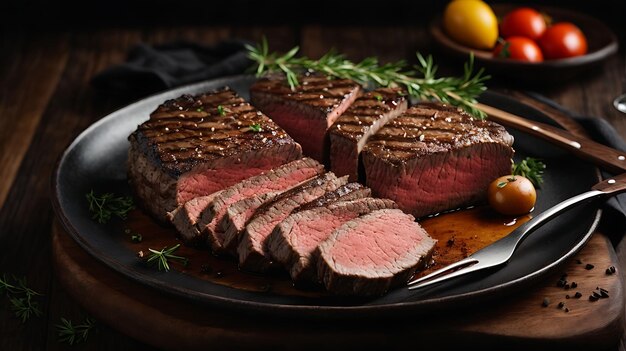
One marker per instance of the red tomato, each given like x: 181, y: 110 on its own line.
x: 563, y: 40
x: 523, y: 22
x: 519, y: 48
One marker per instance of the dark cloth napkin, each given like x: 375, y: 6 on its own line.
x: 150, y: 69
x: 614, y: 216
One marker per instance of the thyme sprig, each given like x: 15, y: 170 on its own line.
x: 70, y: 333
x: 161, y: 257
x: 105, y: 206
x: 21, y: 297
x: 420, y: 81
x: 531, y: 168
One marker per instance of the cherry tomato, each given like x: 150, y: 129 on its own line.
x: 523, y: 22
x: 563, y: 40
x: 519, y: 48
x: 471, y: 23
x: 512, y: 195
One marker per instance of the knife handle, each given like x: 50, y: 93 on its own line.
x: 613, y: 185
x: 602, y: 156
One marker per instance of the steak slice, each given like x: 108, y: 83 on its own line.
x: 196, y: 145
x: 307, y: 111
x: 276, y: 180
x: 186, y: 216
x: 434, y: 158
x: 362, y: 119
x: 294, y: 240
x: 237, y: 215
x: 252, y: 249
x: 373, y: 253
x: 350, y: 191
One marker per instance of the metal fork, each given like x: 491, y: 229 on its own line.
x: 501, y: 251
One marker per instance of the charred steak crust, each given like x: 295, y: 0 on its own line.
x: 275, y: 180
x: 362, y: 119
x: 196, y: 145
x: 364, y: 257
x: 350, y: 191
x: 307, y: 111
x: 294, y: 241
x: 252, y: 249
x: 434, y: 158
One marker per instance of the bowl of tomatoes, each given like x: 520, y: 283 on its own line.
x: 531, y: 44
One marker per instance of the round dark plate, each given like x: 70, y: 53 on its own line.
x: 601, y: 42
x: 97, y: 160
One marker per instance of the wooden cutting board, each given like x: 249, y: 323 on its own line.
x: 517, y: 322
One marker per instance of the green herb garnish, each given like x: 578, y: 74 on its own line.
x: 379, y: 98
x: 104, y: 206
x: 161, y: 257
x: 200, y: 109
x: 256, y: 127
x: 502, y: 184
x: 530, y: 168
x: 21, y: 297
x: 71, y: 334
x: 136, y: 238
x: 221, y: 110
x: 419, y: 80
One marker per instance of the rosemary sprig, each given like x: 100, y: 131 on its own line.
x: 530, y: 168
x: 104, y: 206
x: 21, y: 298
x: 420, y: 80
x: 71, y: 334
x: 160, y: 258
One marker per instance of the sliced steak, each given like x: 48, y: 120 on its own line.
x: 277, y: 180
x: 237, y: 215
x: 434, y: 158
x: 186, y: 216
x: 350, y: 191
x: 196, y: 145
x: 252, y: 249
x: 294, y: 240
x: 352, y: 129
x: 373, y: 253
x: 307, y: 111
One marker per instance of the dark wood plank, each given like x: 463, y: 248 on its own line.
x: 29, y: 76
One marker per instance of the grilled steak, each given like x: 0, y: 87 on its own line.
x: 276, y: 180
x: 352, y: 129
x: 306, y: 112
x: 350, y: 191
x: 252, y: 249
x: 196, y: 145
x: 434, y: 158
x: 186, y: 216
x: 364, y: 257
x: 294, y: 240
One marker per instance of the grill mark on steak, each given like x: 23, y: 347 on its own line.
x: 363, y: 118
x: 364, y: 257
x: 252, y: 248
x: 190, y: 129
x: 350, y: 191
x: 425, y: 129
x: 293, y: 241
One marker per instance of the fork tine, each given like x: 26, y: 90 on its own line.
x: 471, y: 265
x: 462, y: 263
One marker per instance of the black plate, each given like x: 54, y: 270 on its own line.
x: 97, y: 160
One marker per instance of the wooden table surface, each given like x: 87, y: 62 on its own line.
x: 46, y: 100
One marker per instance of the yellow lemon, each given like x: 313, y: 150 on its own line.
x: 471, y: 23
